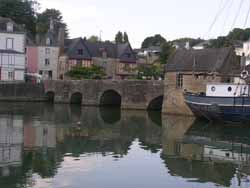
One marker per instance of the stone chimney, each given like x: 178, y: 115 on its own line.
x: 61, y: 39
x: 51, y: 25
x: 243, y: 61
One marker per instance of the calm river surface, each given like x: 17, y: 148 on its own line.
x: 61, y: 146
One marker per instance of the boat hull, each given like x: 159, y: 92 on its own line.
x: 226, y: 109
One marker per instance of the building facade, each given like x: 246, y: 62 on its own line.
x: 43, y: 56
x: 117, y: 60
x: 192, y: 70
x: 12, y: 51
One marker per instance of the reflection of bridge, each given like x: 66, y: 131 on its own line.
x: 129, y: 94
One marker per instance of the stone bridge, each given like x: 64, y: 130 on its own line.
x: 128, y: 94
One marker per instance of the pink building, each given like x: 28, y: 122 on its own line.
x: 32, y: 59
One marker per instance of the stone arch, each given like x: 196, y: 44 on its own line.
x: 156, y: 103
x: 110, y: 98
x: 50, y: 96
x: 76, y: 98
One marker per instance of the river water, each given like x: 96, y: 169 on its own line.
x: 62, y: 146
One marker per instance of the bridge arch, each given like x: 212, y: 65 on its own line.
x: 156, y: 103
x: 111, y: 98
x: 76, y: 98
x: 50, y: 96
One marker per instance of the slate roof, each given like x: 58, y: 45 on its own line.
x: 3, y: 27
x: 95, y: 49
x: 207, y: 60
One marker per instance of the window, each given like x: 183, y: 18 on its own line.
x: 179, y: 81
x: 48, y: 41
x: 80, y: 51
x: 47, y: 51
x: 10, y: 43
x: 41, y: 72
x: 47, y: 62
x: 10, y: 27
x: 79, y: 63
x: 10, y: 75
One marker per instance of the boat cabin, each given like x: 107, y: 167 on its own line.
x: 227, y: 90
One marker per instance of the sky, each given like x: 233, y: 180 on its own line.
x: 142, y: 18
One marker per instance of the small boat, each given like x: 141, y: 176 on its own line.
x: 221, y: 102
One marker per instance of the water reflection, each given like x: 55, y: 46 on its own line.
x: 42, y: 145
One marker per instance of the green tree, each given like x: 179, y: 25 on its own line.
x: 93, y: 38
x: 125, y: 37
x: 156, y: 40
x: 150, y: 72
x: 93, y: 72
x: 20, y: 11
x: 119, y: 37
x: 44, y: 18
x: 166, y: 50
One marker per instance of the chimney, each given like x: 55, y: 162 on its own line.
x: 187, y: 46
x: 51, y: 25
x: 243, y: 61
x: 61, y: 39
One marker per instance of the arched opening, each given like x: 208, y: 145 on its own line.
x: 76, y: 98
x: 110, y: 98
x: 50, y: 96
x: 156, y: 104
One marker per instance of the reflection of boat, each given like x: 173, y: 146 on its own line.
x: 224, y: 102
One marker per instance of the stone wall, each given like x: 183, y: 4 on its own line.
x: 134, y: 94
x: 21, y: 92
x: 173, y: 97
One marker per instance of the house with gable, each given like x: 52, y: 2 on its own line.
x: 191, y: 70
x: 43, y: 55
x: 117, y: 60
x: 12, y: 50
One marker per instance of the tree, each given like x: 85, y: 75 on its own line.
x: 43, y: 21
x: 93, y: 72
x: 125, y: 37
x: 150, y: 72
x: 93, y: 38
x: 119, y: 37
x: 21, y: 12
x: 156, y: 40
x: 166, y: 50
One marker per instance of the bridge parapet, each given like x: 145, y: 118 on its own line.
x: 134, y: 94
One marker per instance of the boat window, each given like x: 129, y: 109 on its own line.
x: 229, y: 89
x: 213, y: 89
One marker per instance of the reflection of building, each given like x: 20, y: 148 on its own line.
x: 205, y: 154
x: 39, y: 136
x: 11, y: 140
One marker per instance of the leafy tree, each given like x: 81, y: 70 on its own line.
x: 119, y: 38
x: 93, y: 38
x: 43, y: 21
x: 156, y: 40
x: 20, y: 11
x: 125, y: 37
x: 150, y: 72
x: 166, y: 50
x: 93, y: 72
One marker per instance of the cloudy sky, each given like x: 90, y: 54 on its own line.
x: 141, y: 18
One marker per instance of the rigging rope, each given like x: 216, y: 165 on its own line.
x: 246, y: 20
x: 221, y: 9
x: 227, y: 16
x: 237, y: 14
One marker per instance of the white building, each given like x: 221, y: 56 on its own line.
x: 12, y: 51
x: 48, y: 53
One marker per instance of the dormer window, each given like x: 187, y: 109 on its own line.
x: 80, y: 51
x: 48, y: 41
x: 10, y: 27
